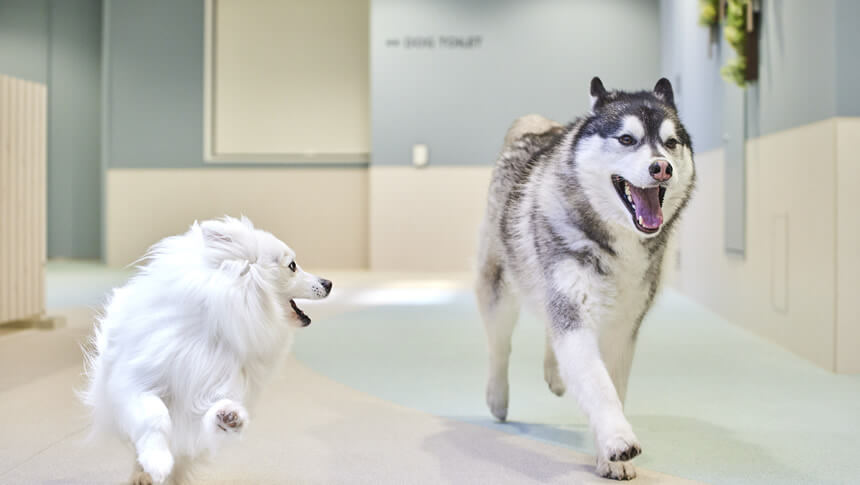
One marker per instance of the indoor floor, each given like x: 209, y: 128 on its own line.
x: 351, y: 407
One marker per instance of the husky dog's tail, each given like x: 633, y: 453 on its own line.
x: 529, y: 124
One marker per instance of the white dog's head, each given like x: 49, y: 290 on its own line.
x: 235, y: 244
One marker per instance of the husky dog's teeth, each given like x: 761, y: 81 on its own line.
x: 640, y: 221
x: 627, y: 189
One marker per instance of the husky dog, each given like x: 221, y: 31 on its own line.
x: 184, y: 348
x: 576, y: 227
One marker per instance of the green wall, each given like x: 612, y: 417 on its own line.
x: 534, y: 56
x: 154, y: 83
x: 58, y: 43
x: 809, y: 67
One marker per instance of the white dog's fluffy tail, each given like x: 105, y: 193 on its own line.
x: 94, y: 392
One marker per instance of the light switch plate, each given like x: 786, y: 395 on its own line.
x: 420, y: 155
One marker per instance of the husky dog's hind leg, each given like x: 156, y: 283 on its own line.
x: 499, y: 307
x: 550, y: 369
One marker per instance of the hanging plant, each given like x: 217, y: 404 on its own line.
x: 709, y: 13
x: 736, y: 35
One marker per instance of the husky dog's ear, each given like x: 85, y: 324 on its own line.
x: 598, y: 92
x: 663, y: 90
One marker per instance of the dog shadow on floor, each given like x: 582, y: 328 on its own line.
x: 691, y: 447
x: 470, y: 441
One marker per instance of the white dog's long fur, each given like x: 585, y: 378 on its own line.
x: 184, y: 348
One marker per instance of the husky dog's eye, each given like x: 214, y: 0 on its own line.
x: 292, y: 266
x: 626, y: 140
x: 671, y: 143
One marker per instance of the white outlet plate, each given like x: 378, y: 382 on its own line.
x: 420, y: 155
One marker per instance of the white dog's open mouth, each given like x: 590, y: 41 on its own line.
x: 645, y: 204
x: 303, y: 318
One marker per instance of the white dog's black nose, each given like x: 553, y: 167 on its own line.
x: 327, y: 285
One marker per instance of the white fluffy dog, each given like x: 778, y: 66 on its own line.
x: 184, y: 348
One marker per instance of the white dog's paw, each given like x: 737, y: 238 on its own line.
x: 157, y: 463
x: 616, y: 470
x: 228, y: 416
x: 140, y: 477
x: 553, y: 379
x: 497, y: 398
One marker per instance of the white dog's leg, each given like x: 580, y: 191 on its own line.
x: 583, y: 370
x: 139, y: 477
x: 224, y: 418
x: 146, y: 421
x: 499, y: 309
x: 550, y: 369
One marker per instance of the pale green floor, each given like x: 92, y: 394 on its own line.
x: 708, y: 400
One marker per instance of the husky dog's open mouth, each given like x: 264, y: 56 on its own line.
x: 303, y: 317
x: 644, y: 203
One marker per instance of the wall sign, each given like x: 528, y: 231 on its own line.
x: 427, y: 42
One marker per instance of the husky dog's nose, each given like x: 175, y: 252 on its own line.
x: 661, y: 170
x: 327, y: 285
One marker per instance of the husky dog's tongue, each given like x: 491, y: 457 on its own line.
x: 649, y: 214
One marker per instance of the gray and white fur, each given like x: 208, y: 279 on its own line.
x: 577, y: 225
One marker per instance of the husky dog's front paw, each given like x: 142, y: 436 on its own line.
x: 616, y: 470
x: 617, y: 443
x: 497, y: 398
x: 622, y: 447
x: 228, y: 416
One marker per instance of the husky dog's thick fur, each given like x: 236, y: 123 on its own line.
x: 184, y: 348
x: 576, y: 227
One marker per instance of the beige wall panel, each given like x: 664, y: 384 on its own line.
x: 847, y: 246
x: 291, y: 76
x: 784, y: 287
x: 426, y: 219
x: 320, y: 213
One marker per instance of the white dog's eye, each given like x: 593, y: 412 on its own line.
x: 292, y: 266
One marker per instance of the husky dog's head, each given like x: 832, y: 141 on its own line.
x: 253, y: 253
x: 634, y: 157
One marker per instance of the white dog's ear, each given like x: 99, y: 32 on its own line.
x: 246, y: 221
x: 226, y: 239
x: 215, y: 232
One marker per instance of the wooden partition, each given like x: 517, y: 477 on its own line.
x: 23, y: 122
